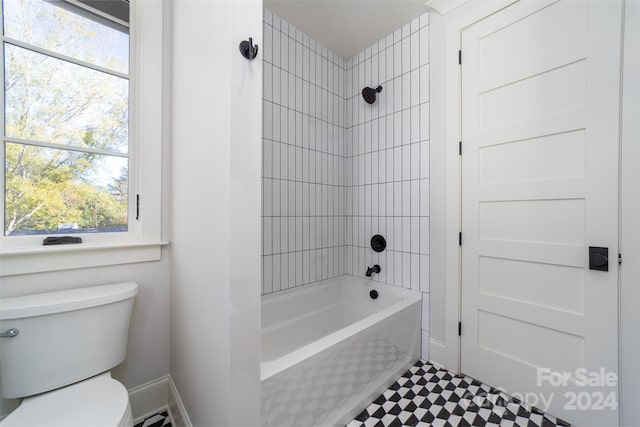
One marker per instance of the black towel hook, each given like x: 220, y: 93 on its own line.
x: 248, y: 49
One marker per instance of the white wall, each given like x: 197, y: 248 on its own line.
x: 303, y: 159
x: 387, y: 175
x: 437, y: 187
x: 215, y: 211
x: 148, y: 351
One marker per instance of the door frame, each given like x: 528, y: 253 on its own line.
x: 453, y: 196
x: 629, y: 351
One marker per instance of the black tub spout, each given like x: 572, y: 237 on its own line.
x: 375, y: 269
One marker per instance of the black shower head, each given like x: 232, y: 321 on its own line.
x: 369, y: 94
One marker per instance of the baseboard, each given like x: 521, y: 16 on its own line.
x: 149, y: 398
x: 154, y: 396
x: 437, y: 353
x: 177, y: 412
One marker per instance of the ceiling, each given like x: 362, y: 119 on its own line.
x: 347, y: 26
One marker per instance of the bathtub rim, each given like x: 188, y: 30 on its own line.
x: 409, y: 297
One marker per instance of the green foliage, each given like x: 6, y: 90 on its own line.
x: 53, y: 101
x: 44, y: 188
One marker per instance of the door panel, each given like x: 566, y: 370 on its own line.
x: 540, y: 88
x: 529, y: 159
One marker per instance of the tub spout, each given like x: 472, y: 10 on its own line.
x: 375, y: 269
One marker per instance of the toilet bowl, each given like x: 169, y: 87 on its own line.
x: 56, y: 353
x: 99, y: 401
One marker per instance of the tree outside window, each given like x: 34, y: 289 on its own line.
x: 66, y: 120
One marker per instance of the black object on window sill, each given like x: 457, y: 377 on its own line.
x: 61, y: 240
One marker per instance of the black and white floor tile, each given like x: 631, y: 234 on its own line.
x: 161, y: 419
x: 428, y: 396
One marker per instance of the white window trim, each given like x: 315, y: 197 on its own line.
x: 144, y: 244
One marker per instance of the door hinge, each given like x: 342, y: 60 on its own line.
x: 460, y: 57
x: 460, y: 148
x: 619, y: 258
x: 137, y: 206
x: 460, y: 238
x: 459, y: 329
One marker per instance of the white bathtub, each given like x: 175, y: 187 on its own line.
x: 329, y: 348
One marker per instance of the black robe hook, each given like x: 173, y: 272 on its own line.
x: 248, y: 49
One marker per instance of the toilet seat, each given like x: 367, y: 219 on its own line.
x: 99, y: 401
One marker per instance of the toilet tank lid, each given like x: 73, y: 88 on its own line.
x: 69, y: 300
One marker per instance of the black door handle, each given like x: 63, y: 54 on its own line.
x: 598, y: 258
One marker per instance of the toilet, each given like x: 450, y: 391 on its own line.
x: 56, y: 350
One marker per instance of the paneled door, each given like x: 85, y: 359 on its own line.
x: 540, y: 110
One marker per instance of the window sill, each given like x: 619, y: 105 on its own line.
x: 68, y: 257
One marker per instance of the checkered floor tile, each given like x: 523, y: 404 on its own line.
x: 161, y: 419
x: 427, y: 396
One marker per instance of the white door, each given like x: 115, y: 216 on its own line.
x: 540, y: 92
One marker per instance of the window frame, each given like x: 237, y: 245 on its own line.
x: 143, y: 240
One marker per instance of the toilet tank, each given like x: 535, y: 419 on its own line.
x: 64, y: 337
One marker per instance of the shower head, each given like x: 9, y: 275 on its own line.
x: 369, y: 94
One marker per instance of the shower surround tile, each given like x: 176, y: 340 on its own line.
x: 387, y: 161
x: 337, y: 170
x: 303, y: 159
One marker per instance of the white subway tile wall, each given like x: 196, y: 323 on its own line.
x: 387, y: 180
x: 336, y: 170
x: 387, y: 169
x: 303, y: 209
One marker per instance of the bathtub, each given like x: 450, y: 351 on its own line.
x: 328, y: 349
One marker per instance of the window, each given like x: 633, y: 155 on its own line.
x: 66, y: 119
x: 82, y: 132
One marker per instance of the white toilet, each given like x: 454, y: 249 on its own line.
x: 56, y: 350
